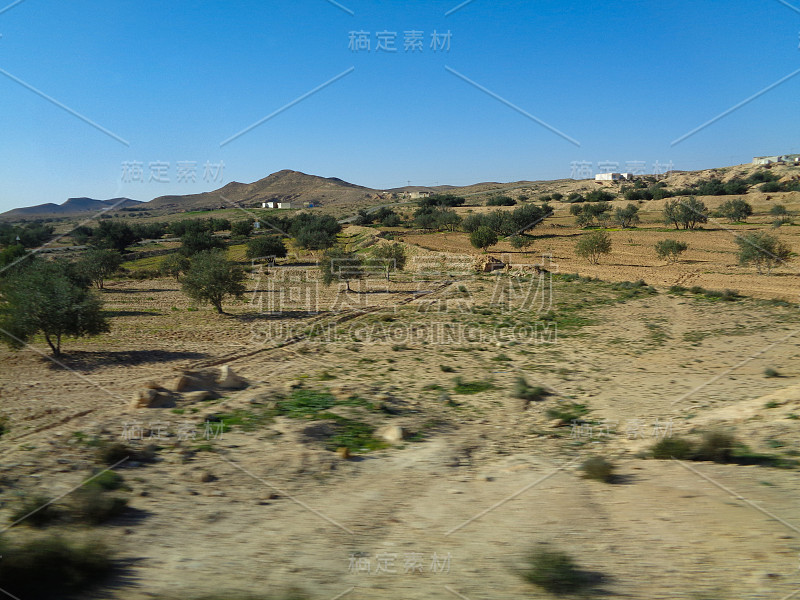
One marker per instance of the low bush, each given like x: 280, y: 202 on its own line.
x: 94, y: 506
x: 673, y: 447
x: 525, y: 391
x: 568, y: 412
x: 35, y: 511
x: 556, y: 572
x: 52, y: 567
x: 599, y: 469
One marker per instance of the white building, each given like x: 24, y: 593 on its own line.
x: 613, y: 177
x: 778, y: 159
x: 269, y: 204
x: 284, y: 205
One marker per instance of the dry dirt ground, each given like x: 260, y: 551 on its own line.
x: 481, y: 478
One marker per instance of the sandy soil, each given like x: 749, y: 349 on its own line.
x: 482, y: 480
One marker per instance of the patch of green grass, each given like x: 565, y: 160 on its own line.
x: 632, y: 289
x: 107, y: 480
x: 447, y: 369
x: 471, y: 387
x: 772, y: 404
x: 502, y: 357
x: 568, y: 412
x: 355, y: 435
x: 325, y: 376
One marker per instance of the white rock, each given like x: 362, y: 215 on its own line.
x: 391, y: 433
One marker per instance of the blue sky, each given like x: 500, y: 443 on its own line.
x: 175, y: 80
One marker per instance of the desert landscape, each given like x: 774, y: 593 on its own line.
x: 359, y: 400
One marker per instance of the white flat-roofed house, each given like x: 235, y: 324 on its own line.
x: 612, y: 176
x: 270, y: 204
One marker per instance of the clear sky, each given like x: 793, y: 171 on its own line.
x: 174, y: 80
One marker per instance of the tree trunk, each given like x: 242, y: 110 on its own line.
x: 56, y: 348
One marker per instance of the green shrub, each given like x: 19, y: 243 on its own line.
x: 471, y: 387
x: 447, y: 369
x: 555, y: 572
x: 94, y: 506
x: 716, y: 446
x: 52, y: 567
x: 770, y: 372
x: 35, y: 510
x: 107, y: 480
x: 568, y: 412
x: 524, y: 391
x: 110, y: 453
x: 673, y: 447
x: 670, y: 250
x: 763, y: 250
x: 592, y: 245
x: 598, y: 468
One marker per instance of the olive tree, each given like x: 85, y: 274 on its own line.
x: 687, y: 213
x: 265, y: 246
x: 763, y: 250
x: 391, y: 257
x: 338, y: 265
x: 592, y: 245
x: 98, y: 264
x: 483, y: 237
x: 48, y: 298
x: 670, y: 250
x: 173, y: 265
x: 211, y: 277
x: 628, y: 216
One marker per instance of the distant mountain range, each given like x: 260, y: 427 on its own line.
x: 287, y: 186
x: 71, y: 207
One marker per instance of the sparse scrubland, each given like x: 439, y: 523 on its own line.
x: 481, y: 395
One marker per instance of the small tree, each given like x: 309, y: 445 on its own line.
x: 115, y: 235
x: 778, y: 210
x: 194, y: 242
x: 520, y: 242
x: 211, y: 277
x: 45, y: 297
x: 763, y: 250
x: 98, y: 264
x: 265, y: 246
x: 242, y: 228
x: 483, y: 237
x: 315, y: 239
x: 735, y: 210
x: 592, y: 245
x: 687, y: 213
x: 338, y: 265
x: 628, y: 216
x: 670, y: 250
x: 174, y: 265
x: 391, y: 257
